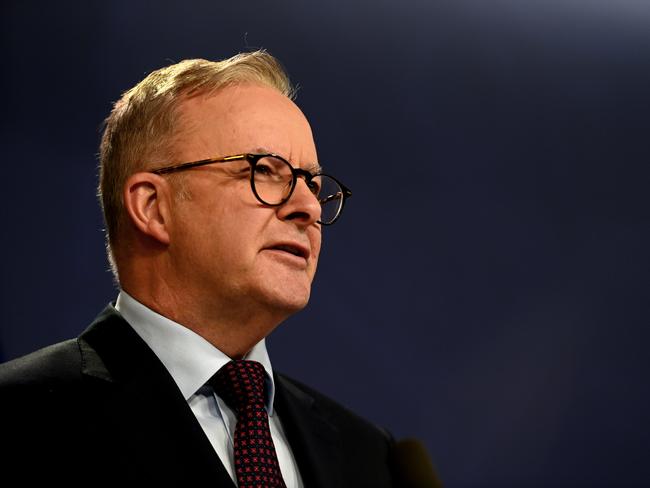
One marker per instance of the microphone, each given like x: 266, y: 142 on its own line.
x: 413, y: 466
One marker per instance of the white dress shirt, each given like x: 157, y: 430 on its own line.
x: 191, y: 361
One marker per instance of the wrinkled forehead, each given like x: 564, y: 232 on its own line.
x: 245, y: 118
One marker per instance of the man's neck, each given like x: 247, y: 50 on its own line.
x: 233, y: 330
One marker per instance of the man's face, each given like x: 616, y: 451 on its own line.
x: 228, y: 249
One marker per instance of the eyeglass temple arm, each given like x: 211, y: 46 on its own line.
x: 194, y: 164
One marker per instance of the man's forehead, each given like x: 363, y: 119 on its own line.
x: 247, y: 119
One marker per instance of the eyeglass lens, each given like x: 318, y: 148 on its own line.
x: 272, y: 180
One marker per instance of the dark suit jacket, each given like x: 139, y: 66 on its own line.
x: 102, y: 409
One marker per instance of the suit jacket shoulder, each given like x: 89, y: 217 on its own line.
x: 339, y: 447
x: 53, y: 364
x: 103, y: 408
x: 337, y: 412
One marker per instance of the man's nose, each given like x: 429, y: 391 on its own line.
x: 303, y: 206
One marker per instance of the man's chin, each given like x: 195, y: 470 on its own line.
x: 288, y: 299
x: 291, y: 305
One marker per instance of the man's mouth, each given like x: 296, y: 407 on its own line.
x: 291, y: 248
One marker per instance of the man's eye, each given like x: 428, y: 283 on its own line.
x: 263, y: 170
x: 314, y: 186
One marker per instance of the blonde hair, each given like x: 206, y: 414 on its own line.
x: 144, y: 121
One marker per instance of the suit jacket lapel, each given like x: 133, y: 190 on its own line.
x: 145, y: 404
x: 312, y: 437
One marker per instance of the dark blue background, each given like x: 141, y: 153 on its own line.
x: 486, y: 289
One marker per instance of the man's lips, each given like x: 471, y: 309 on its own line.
x: 293, y: 248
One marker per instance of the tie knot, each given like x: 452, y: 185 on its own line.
x: 240, y: 383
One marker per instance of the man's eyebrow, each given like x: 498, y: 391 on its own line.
x: 313, y: 168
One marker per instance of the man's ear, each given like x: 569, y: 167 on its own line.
x: 146, y: 199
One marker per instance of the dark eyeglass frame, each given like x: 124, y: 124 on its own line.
x: 253, y: 159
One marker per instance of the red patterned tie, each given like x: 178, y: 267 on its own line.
x: 240, y: 384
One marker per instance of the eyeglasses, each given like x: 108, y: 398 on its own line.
x: 273, y: 181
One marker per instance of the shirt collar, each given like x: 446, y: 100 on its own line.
x: 190, y: 359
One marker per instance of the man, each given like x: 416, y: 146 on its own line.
x: 214, y: 203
